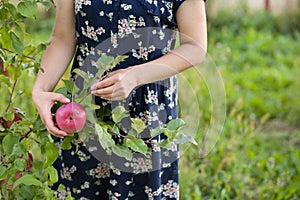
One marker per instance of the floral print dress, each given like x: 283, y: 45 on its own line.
x: 144, y: 30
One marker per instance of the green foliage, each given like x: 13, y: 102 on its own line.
x: 107, y: 130
x: 21, y: 130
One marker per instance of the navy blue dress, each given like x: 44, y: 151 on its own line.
x: 144, y: 30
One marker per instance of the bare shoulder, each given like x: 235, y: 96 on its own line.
x: 191, y: 21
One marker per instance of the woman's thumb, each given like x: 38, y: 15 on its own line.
x: 61, y: 98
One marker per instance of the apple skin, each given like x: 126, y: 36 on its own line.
x: 29, y: 161
x: 70, y: 117
x: 8, y: 124
x: 4, y: 72
x: 19, y: 174
x: 16, y: 118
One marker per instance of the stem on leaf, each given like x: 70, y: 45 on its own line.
x: 11, y: 95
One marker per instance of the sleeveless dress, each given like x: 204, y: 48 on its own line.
x: 144, y: 30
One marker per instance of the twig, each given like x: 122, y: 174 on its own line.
x: 89, y: 89
x: 11, y: 95
x: 24, y: 56
x: 27, y: 133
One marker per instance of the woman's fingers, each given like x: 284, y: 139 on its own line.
x: 117, y: 85
x: 103, y: 91
x: 59, y: 97
x: 104, y: 83
x: 44, y: 102
x: 52, y: 129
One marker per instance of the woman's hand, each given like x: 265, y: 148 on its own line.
x: 44, y: 102
x: 117, y: 85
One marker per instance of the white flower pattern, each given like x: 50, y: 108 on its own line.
x: 86, y: 177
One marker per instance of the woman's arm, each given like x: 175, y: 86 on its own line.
x: 55, y: 61
x: 192, y: 50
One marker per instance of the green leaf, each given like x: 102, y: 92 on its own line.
x: 19, y: 164
x: 164, y: 144
x: 46, y: 4
x: 28, y: 9
x: 9, y: 142
x: 53, y: 175
x: 66, y: 144
x: 105, y: 62
x: 25, y: 192
x: 104, y: 137
x: 92, y: 106
x: 51, y: 151
x: 175, y: 124
x: 62, y: 90
x: 28, y: 179
x: 138, y: 125
x: 90, y: 115
x: 9, y: 115
x: 4, y: 79
x: 83, y: 74
x: 137, y: 144
x: 5, y: 39
x: 2, y: 55
x: 169, y: 134
x: 2, y: 171
x: 122, y: 151
x: 12, y: 9
x: 83, y: 136
x: 17, y: 43
x: 38, y: 124
x: 182, y: 139
x: 119, y: 113
x: 18, y: 149
x: 27, y: 143
x: 71, y: 87
x: 119, y: 59
x: 156, y: 131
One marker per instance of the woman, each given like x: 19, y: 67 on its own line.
x: 146, y: 78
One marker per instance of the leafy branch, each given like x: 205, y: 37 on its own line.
x: 132, y: 141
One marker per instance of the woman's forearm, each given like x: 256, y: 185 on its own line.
x: 60, y: 50
x: 55, y: 61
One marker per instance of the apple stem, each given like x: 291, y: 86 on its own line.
x: 11, y: 95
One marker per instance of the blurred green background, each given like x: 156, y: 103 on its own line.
x: 257, y: 154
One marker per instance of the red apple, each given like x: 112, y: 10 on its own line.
x: 16, y: 118
x: 4, y: 72
x: 17, y: 176
x: 70, y: 117
x: 29, y: 161
x: 8, y: 124
x: 19, y: 173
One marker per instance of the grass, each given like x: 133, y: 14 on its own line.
x: 257, y: 154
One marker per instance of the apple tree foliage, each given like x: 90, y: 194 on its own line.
x: 108, y: 130
x: 27, y: 152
